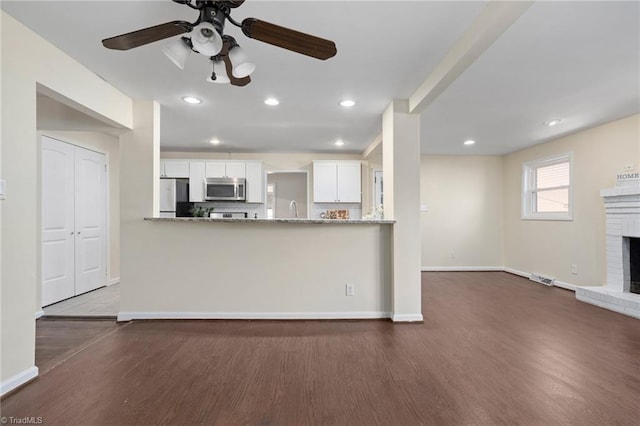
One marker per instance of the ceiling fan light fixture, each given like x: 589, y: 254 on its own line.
x: 242, y: 67
x: 220, y: 71
x: 206, y: 40
x: 178, y: 52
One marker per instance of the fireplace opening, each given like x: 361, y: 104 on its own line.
x: 634, y: 265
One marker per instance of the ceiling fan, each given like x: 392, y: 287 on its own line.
x: 206, y: 37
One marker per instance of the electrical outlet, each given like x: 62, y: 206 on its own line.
x: 574, y: 269
x: 350, y: 289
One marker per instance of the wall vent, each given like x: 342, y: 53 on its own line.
x: 542, y: 279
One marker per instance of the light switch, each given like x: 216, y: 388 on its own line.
x: 3, y: 188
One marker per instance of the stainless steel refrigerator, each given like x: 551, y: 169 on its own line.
x: 174, y: 198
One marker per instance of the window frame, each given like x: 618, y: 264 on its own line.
x: 529, y: 188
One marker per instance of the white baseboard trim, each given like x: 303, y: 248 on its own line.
x: 561, y: 284
x: 407, y: 318
x: 129, y: 316
x: 461, y: 268
x: 564, y: 285
x: 18, y: 380
x: 556, y: 283
x: 39, y: 314
x: 516, y: 272
x: 113, y: 281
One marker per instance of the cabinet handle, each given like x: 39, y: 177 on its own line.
x: 72, y: 233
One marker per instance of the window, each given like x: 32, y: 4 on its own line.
x: 547, y: 191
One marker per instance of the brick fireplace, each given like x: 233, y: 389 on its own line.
x: 622, y: 207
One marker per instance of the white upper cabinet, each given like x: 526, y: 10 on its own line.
x: 255, y: 182
x: 174, y: 168
x: 336, y: 182
x: 219, y: 169
x: 196, y: 181
x: 236, y: 169
x: 216, y: 169
x: 349, y: 182
x: 325, y: 183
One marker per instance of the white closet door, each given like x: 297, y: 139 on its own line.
x: 58, y: 281
x: 90, y: 220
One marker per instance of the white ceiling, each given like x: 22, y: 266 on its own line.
x: 571, y: 60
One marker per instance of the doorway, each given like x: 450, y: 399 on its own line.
x: 74, y: 220
x: 287, y: 195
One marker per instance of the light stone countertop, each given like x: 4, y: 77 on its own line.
x: 296, y: 221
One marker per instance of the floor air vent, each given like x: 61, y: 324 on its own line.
x: 542, y: 279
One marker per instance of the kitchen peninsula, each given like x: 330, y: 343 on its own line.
x: 205, y: 268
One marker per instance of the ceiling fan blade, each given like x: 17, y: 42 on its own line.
x: 289, y: 39
x: 240, y: 82
x: 147, y: 35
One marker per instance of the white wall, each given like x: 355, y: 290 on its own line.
x: 551, y: 247
x: 27, y: 61
x: 463, y: 224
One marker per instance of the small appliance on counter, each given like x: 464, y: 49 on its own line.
x: 174, y: 198
x: 228, y: 215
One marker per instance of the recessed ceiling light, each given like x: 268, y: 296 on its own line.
x: 192, y: 100
x: 338, y: 143
x: 347, y: 103
x: 272, y: 101
x: 215, y: 142
x: 553, y: 122
x: 469, y: 142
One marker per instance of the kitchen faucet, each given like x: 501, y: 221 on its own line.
x: 293, y: 208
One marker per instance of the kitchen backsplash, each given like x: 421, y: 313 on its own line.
x: 227, y: 207
x: 355, y: 209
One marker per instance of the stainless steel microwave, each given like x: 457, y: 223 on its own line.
x: 225, y: 189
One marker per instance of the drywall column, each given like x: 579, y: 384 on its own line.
x: 401, y: 168
x: 139, y: 181
x: 20, y: 227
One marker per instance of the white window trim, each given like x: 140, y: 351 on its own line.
x: 526, y: 195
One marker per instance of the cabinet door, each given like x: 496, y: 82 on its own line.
x: 176, y: 168
x: 324, y: 183
x: 255, y: 183
x: 236, y: 169
x: 196, y: 181
x: 162, y: 169
x: 215, y: 169
x: 349, y: 180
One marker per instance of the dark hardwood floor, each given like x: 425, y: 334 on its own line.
x: 493, y: 349
x: 59, y: 339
